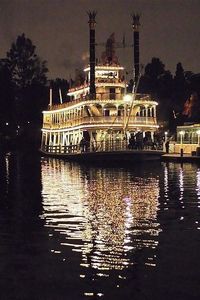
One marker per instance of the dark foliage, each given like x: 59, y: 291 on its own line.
x: 29, y: 79
x: 7, y: 115
x: 23, y: 86
x: 60, y: 89
x: 24, y: 64
x: 171, y: 92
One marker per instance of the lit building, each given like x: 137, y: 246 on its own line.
x: 188, y: 139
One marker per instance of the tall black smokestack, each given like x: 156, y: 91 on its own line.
x: 136, y: 25
x: 92, y: 22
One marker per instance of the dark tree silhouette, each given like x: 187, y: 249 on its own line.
x: 174, y: 94
x: 7, y: 118
x: 159, y: 83
x: 179, y: 74
x: 62, y: 85
x: 181, y: 94
x: 24, y: 64
x: 28, y: 74
x: 195, y: 83
x: 149, y: 82
x: 165, y: 85
x: 181, y: 88
x: 155, y: 68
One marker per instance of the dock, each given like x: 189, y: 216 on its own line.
x: 173, y: 157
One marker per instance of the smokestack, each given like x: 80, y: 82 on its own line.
x: 92, y: 22
x: 136, y: 25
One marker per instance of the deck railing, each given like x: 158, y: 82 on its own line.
x: 103, y: 146
x: 108, y: 120
x: 99, y: 97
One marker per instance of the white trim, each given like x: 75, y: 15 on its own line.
x: 104, y: 68
x: 99, y: 126
x: 86, y: 102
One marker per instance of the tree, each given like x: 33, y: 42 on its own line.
x: 181, y: 86
x: 60, y: 87
x: 153, y: 72
x: 155, y: 68
x: 195, y: 83
x: 181, y: 89
x: 159, y: 83
x: 179, y: 74
x: 165, y: 85
x: 28, y: 74
x: 24, y: 64
x: 7, y: 119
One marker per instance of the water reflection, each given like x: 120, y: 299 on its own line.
x: 105, y: 214
x: 20, y: 186
x: 21, y: 204
x: 87, y: 232
x: 181, y: 191
x: 198, y: 184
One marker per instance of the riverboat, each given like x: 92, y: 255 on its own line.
x: 101, y: 120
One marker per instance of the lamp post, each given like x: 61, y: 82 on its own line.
x: 166, y: 136
x: 181, y: 136
x: 127, y: 100
x: 166, y: 143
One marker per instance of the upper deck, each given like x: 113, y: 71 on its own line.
x: 101, y: 98
x: 109, y: 106
x: 105, y: 110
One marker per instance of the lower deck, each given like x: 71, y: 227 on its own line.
x: 126, y: 156
x: 122, y: 151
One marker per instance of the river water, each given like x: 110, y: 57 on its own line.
x: 71, y: 231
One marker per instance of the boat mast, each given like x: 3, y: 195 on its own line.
x: 60, y: 95
x: 134, y: 93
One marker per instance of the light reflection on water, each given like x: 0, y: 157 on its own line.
x: 104, y: 214
x: 88, y: 232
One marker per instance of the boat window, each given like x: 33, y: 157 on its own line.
x: 112, y: 93
x: 107, y: 112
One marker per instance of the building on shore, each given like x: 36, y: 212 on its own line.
x: 187, y: 139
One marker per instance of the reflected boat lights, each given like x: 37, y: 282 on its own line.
x: 181, y: 184
x: 166, y: 182
x: 101, y: 214
x: 198, y: 184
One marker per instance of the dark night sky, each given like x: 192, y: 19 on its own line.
x: 170, y: 30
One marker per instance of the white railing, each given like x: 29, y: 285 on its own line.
x: 102, y: 146
x: 96, y: 121
x: 98, y: 97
